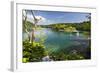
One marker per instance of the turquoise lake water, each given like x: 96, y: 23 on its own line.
x: 62, y: 41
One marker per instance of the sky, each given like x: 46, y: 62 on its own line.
x: 52, y: 17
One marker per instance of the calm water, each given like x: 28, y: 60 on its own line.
x: 61, y: 41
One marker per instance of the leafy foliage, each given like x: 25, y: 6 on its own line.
x: 75, y: 57
x: 27, y: 26
x: 66, y: 56
x: 33, y: 52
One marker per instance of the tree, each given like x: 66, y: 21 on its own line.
x: 88, y: 17
x: 25, y: 25
x: 35, y: 23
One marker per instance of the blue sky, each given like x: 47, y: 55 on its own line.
x: 51, y: 17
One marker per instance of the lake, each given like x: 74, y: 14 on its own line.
x: 56, y: 41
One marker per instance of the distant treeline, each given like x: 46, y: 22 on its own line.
x: 84, y: 26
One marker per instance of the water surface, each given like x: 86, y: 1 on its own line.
x: 56, y: 41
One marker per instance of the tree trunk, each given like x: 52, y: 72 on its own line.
x: 33, y: 37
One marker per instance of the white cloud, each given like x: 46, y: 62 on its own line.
x: 30, y: 18
x: 40, y: 17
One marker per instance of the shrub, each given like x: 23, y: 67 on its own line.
x: 33, y: 52
x: 75, y: 57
